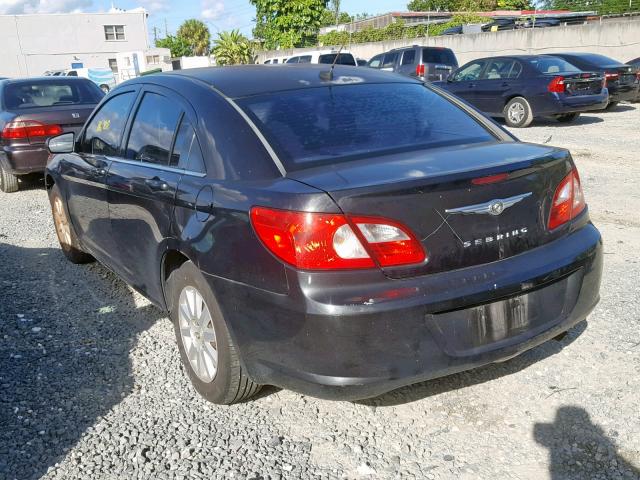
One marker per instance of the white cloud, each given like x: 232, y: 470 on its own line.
x: 154, y: 6
x: 211, y: 9
x: 13, y: 7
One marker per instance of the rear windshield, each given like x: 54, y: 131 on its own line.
x: 34, y: 94
x: 328, y: 125
x: 551, y: 65
x: 343, y: 59
x: 599, y: 60
x: 445, y: 56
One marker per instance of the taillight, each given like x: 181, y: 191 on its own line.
x: 420, y: 70
x: 326, y: 241
x: 29, y: 129
x: 611, y: 77
x: 557, y: 85
x: 568, y: 200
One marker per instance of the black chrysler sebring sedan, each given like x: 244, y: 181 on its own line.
x: 339, y: 233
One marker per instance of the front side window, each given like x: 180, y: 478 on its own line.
x: 152, y: 129
x: 293, y: 60
x: 114, y: 32
x: 469, y: 72
x: 376, y: 62
x: 187, y: 153
x: 104, y: 132
x: 25, y: 94
x: 328, y: 125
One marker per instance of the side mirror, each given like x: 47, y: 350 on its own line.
x: 62, y: 143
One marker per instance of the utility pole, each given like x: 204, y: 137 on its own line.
x: 155, y: 35
x: 166, y: 28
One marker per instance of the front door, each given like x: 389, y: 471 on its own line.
x: 496, y: 84
x: 464, y: 81
x: 86, y: 170
x: 142, y: 189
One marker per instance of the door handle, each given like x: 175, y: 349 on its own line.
x: 472, y: 85
x: 156, y: 184
x: 101, y: 172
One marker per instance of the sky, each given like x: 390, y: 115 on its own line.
x: 219, y: 15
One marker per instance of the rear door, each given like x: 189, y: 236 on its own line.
x: 141, y: 189
x: 464, y: 82
x: 85, y: 172
x: 407, y: 63
x: 500, y: 78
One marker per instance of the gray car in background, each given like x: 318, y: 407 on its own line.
x: 430, y: 64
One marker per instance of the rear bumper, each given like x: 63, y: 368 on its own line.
x: 338, y: 339
x: 26, y: 159
x: 557, y: 104
x: 624, y: 93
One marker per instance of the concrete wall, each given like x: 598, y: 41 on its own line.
x: 32, y: 44
x: 617, y: 39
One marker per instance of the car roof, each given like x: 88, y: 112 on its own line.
x: 245, y: 80
x: 48, y: 78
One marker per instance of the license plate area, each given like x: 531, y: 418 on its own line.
x: 490, y: 326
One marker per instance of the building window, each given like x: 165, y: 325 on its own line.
x: 127, y: 61
x: 113, y: 65
x: 153, y: 59
x: 114, y: 32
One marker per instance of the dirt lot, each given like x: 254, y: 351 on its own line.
x: 91, y: 386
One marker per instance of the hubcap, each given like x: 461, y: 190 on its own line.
x: 198, y: 334
x: 60, y: 219
x: 516, y: 112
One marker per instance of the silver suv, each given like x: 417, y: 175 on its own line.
x: 430, y: 64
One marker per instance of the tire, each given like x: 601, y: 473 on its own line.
x: 611, y: 105
x: 227, y: 382
x: 8, y: 181
x: 518, y: 113
x: 64, y: 230
x: 567, y: 117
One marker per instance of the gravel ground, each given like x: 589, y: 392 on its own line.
x: 91, y: 385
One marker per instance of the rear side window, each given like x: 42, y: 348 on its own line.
x: 500, y: 68
x: 551, y: 65
x: 153, y: 129
x: 33, y: 94
x: 330, y: 125
x: 187, y: 153
x: 390, y: 60
x: 343, y: 59
x: 438, y: 55
x: 104, y: 132
x: 408, y: 57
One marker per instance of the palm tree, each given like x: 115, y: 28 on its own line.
x: 196, y: 34
x: 232, y: 48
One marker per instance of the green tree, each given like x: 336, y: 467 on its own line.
x: 514, y: 5
x: 232, y: 48
x: 433, y: 5
x: 288, y: 23
x: 196, y: 34
x: 178, y: 46
x: 329, y: 18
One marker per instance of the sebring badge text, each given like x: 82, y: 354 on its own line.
x: 500, y: 237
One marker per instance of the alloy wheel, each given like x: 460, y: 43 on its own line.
x: 516, y: 112
x: 198, y: 334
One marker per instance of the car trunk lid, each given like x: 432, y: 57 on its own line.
x: 447, y: 198
x: 585, y: 83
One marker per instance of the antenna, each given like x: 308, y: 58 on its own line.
x: 327, y: 75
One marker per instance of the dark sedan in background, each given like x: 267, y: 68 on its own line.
x: 31, y: 111
x: 621, y: 79
x: 636, y: 63
x: 520, y: 88
x: 302, y: 235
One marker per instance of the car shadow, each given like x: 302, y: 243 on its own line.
x: 622, y: 108
x: 578, y: 448
x: 580, y: 121
x: 65, y: 336
x: 430, y: 388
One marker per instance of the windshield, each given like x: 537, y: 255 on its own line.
x: 35, y: 94
x: 551, y: 65
x: 324, y: 125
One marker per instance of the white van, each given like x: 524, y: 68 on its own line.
x: 325, y: 56
x: 103, y: 77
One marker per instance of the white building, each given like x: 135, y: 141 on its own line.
x: 33, y: 44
